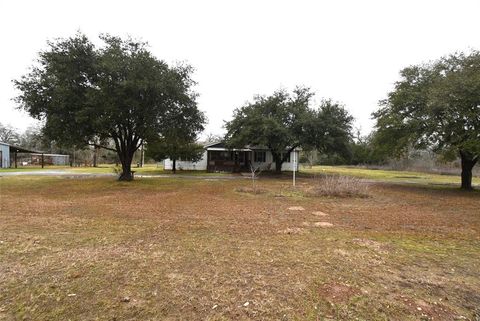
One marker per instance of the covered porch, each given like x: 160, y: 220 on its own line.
x: 229, y: 160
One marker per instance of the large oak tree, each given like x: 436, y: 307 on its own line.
x: 284, y: 121
x: 437, y: 106
x: 119, y: 92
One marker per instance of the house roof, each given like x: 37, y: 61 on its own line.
x: 211, y: 144
x: 219, y: 146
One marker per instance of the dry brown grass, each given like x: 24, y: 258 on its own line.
x: 173, y: 249
x: 250, y: 190
x: 339, y: 186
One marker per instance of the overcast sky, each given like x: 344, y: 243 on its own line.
x: 350, y: 51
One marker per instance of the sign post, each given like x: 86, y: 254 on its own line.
x: 294, y: 166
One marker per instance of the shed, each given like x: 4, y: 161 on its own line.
x: 9, y: 151
x: 4, y: 155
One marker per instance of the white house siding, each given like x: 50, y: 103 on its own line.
x: 201, y: 165
x: 5, y: 151
x: 286, y: 166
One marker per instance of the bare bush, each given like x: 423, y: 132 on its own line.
x: 339, y: 186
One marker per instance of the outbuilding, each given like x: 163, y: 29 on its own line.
x: 4, y: 155
x: 9, y: 157
x: 9, y: 151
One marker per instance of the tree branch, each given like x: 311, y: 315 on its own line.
x: 100, y: 146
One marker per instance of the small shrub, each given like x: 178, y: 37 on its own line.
x: 339, y: 186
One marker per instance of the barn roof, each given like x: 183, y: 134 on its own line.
x: 18, y: 149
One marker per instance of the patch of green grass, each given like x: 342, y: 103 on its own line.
x: 147, y: 169
x: 33, y: 168
x: 389, y: 175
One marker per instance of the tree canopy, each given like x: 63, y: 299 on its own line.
x: 283, y: 121
x: 437, y: 106
x: 119, y: 92
x: 9, y: 134
x: 176, y: 149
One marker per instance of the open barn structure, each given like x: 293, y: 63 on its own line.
x: 12, y: 156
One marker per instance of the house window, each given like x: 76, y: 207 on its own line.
x: 287, y: 159
x: 222, y: 156
x: 260, y: 157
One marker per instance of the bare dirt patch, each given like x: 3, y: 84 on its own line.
x: 319, y: 213
x: 429, y: 311
x: 296, y: 208
x: 337, y: 292
x: 292, y: 230
x: 318, y: 224
x: 322, y: 224
x: 373, y: 245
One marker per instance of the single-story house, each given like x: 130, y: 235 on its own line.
x: 218, y: 158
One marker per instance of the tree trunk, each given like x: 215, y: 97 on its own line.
x: 174, y: 168
x: 95, y: 151
x: 468, y: 161
x: 277, y: 159
x: 278, y: 166
x: 126, y: 160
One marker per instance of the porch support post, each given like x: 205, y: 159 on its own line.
x: 15, y: 159
x: 43, y: 163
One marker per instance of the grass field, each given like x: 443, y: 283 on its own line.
x: 173, y: 249
x: 390, y: 175
x: 147, y: 169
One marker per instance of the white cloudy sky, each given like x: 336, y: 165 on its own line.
x: 350, y: 51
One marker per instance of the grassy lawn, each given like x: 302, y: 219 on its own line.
x: 33, y: 168
x: 389, y: 175
x: 172, y: 249
x: 147, y: 169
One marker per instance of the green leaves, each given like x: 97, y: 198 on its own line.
x: 118, y: 92
x: 285, y: 121
x: 435, y: 105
